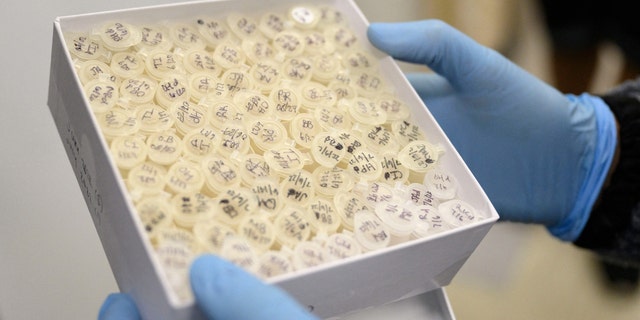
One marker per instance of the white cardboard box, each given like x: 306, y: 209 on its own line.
x: 333, y: 289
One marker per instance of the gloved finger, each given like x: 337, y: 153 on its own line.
x: 442, y: 48
x: 118, y: 306
x: 225, y: 291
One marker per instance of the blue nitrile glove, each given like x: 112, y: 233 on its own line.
x: 222, y: 291
x: 541, y: 156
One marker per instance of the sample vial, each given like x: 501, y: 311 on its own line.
x: 138, y: 89
x: 201, y: 142
x: 155, y: 214
x: 396, y: 109
x: 214, y: 31
x: 117, y: 123
x: 258, y: 231
x: 271, y: 23
x: 400, y: 219
x: 316, y: 43
x: 327, y: 149
x: 200, y: 60
x: 128, y: 151
x: 234, y: 204
x: 253, y: 104
x: 331, y: 181
x: 376, y: 192
x: 368, y: 84
x: 119, y: 36
x: 146, y: 179
x: 185, y: 177
x: 285, y: 160
x: 270, y: 197
x: 297, y: 188
x: 102, y: 94
x: 274, y: 263
x: 420, y: 194
x: 406, y: 132
x: 297, y: 69
x: 392, y: 169
x: 443, y: 184
x: 341, y: 246
x: 325, y: 67
x: 236, y: 80
x: 286, y: 102
x: 211, y: 234
x: 164, y: 147
x: 378, y: 138
x: 239, y: 252
x: 352, y: 141
x: 331, y: 118
x: 222, y: 111
x: 330, y: 16
x: 87, y: 47
x: 370, y: 232
x: 307, y: 254
x: 257, y: 50
x: 265, y: 75
x: 291, y: 226
x: 348, y: 204
x: 172, y: 236
x: 251, y: 167
x: 229, y: 55
x: 304, y: 17
x: 203, y: 84
x: 162, y: 63
x: 175, y: 261
x: 190, y: 209
x: 266, y: 134
x: 364, y: 110
x: 234, y: 137
x: 186, y: 36
x: 243, y: 26
x: 365, y: 165
x: 95, y: 70
x: 315, y: 94
x: 358, y: 59
x: 221, y: 173
x: 420, y: 155
x: 458, y: 213
x: 303, y: 128
x: 127, y: 64
x: 429, y: 222
x: 342, y: 36
x: 154, y: 37
x: 322, y: 216
x: 188, y: 116
x: 342, y: 90
x: 288, y: 43
x: 172, y: 90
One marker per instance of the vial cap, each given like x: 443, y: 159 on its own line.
x: 138, y: 89
x: 420, y: 155
x: 327, y: 149
x: 176, y: 237
x: 185, y: 177
x: 332, y: 181
x: 286, y: 102
x: 127, y: 64
x: 420, y: 195
x: 329, y: 16
x: 364, y: 110
x: 270, y: 197
x: 303, y: 128
x: 348, y: 204
x: 315, y: 94
x: 253, y: 166
x: 188, y: 116
x: 342, y: 36
x: 289, y: 43
x: 325, y: 67
x: 214, y: 31
x: 271, y: 23
x: 399, y: 218
x: 234, y: 204
x: 146, y: 178
x: 297, y: 69
x: 317, y: 43
x: 234, y: 138
x: 396, y: 109
x: 365, y: 164
x: 285, y: 160
x: 211, y: 234
x: 358, y: 59
x: 201, y: 142
x: 368, y: 84
x: 392, y: 169
x: 164, y: 147
x: 128, y: 151
x: 119, y: 36
x: 153, y: 118
x: 274, y: 263
x: 253, y: 104
x: 341, y: 246
x: 229, y: 55
x: 222, y: 111
x: 203, y: 85
x: 154, y: 37
x: 406, y: 132
x: 155, y: 214
x: 458, y: 213
x: 186, y: 36
x: 370, y: 232
x: 102, y: 95
x: 87, y: 47
x: 243, y: 26
x: 221, y: 173
x: 266, y: 134
x: 161, y: 63
x: 239, y: 252
x: 265, y: 75
x: 376, y: 192
x: 258, y: 231
x: 429, y: 222
x: 323, y: 216
x: 292, y: 226
x: 257, y: 50
x: 236, y: 80
x: 307, y: 254
x: 117, y: 123
x: 192, y: 208
x: 378, y: 138
x: 172, y: 90
x: 96, y: 70
x: 175, y: 261
x: 200, y: 60
x: 342, y: 90
x: 298, y: 188
x: 443, y: 184
x: 304, y: 17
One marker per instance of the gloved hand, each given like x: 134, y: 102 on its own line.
x: 222, y: 291
x: 540, y: 156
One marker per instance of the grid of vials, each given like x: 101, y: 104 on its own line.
x: 270, y: 139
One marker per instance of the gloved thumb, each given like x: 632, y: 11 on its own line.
x: 224, y: 291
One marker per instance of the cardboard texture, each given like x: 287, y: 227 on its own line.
x: 329, y: 290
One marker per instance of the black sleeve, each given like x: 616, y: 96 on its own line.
x: 613, y: 229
